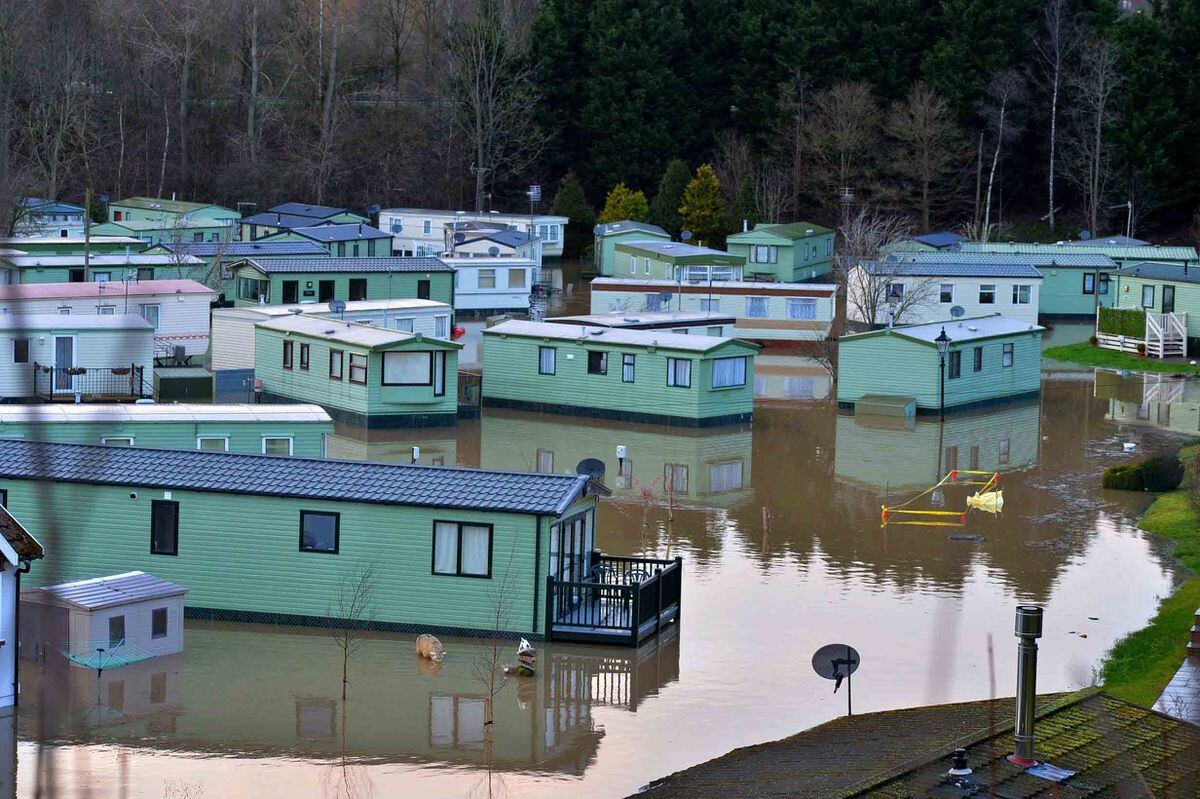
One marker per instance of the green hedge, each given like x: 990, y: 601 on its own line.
x: 1160, y: 473
x: 1122, y: 322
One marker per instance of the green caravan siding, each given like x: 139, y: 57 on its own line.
x: 797, y: 259
x: 895, y: 457
x: 308, y: 438
x: 1062, y: 292
x: 367, y: 248
x: 315, y: 385
x: 648, y: 267
x: 240, y: 552
x: 511, y: 373
x: 606, y: 251
x: 400, y: 286
x: 74, y: 246
x: 1187, y: 298
x: 893, y: 365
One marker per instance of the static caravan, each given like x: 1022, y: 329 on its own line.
x: 177, y: 309
x: 609, y: 234
x: 505, y: 243
x: 174, y: 212
x: 614, y: 373
x: 696, y: 323
x: 1123, y: 253
x: 17, y: 549
x: 653, y: 259
x: 492, y: 285
x: 421, y: 231
x: 108, y: 621
x: 268, y: 539
x: 435, y: 446
x: 232, y: 361
x: 75, y: 358
x: 300, y: 430
x: 362, y: 375
x: 791, y: 252
x: 988, y: 359
x: 1169, y: 299
x: 287, y: 281
x: 340, y: 240
x: 71, y: 245
x: 763, y: 311
x: 101, y: 268
x: 928, y: 290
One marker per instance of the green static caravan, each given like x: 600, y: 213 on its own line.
x: 271, y: 539
x: 1162, y: 289
x: 694, y: 323
x: 281, y: 281
x: 174, y: 213
x: 614, y: 373
x: 989, y: 359
x: 643, y: 464
x: 299, y: 430
x: 99, y: 268
x: 882, y: 453
x: 343, y: 241
x: 218, y: 256
x: 1124, y: 254
x: 609, y: 235
x: 152, y: 232
x: 645, y: 259
x: 362, y: 375
x: 789, y: 253
x: 73, y: 245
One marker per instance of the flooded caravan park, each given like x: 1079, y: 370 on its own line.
x: 778, y: 525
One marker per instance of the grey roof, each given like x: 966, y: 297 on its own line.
x: 273, y: 266
x: 311, y: 211
x: 509, y: 238
x: 299, y: 478
x: 938, y: 238
x: 1042, y: 260
x: 346, y: 232
x: 904, y: 267
x: 117, y: 589
x: 626, y: 225
x: 165, y: 412
x: 287, y: 221
x: 1109, y: 241
x: 968, y: 328
x: 247, y: 249
x: 643, y: 320
x: 1157, y: 271
x: 1124, y: 252
x: 585, y: 335
x: 54, y: 321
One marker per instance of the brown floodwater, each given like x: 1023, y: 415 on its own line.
x: 778, y: 525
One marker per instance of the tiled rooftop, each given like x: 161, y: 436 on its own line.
x: 334, y: 264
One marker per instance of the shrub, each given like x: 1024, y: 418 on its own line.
x: 1093, y: 341
x: 1122, y: 322
x: 1191, y: 478
x: 1160, y: 473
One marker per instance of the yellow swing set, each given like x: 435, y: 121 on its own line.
x: 988, y: 498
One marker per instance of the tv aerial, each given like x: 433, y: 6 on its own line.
x: 837, y: 662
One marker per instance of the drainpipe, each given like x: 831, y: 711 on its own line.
x: 1028, y: 630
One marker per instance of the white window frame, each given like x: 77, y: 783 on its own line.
x: 491, y: 273
x: 1016, y: 294
x: 942, y: 292
x: 712, y: 305
x: 894, y: 292
x: 441, y: 326
x: 801, y: 302
x: 106, y: 310
x: 157, y: 312
x: 766, y: 307
x: 290, y: 440
x: 224, y: 439
x: 1150, y: 290
x: 107, y: 441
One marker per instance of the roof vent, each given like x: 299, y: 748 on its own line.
x: 595, y: 332
x: 331, y: 331
x: 973, y: 328
x: 808, y: 232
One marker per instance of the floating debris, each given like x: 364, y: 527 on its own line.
x: 975, y: 539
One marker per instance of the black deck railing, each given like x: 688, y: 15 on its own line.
x: 623, y: 600
x: 91, y: 384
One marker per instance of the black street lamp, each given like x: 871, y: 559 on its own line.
x: 943, y: 346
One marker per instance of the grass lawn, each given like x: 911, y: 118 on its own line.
x: 1142, y: 663
x: 1088, y: 355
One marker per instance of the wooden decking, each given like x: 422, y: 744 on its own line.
x: 624, y: 600
x: 576, y: 626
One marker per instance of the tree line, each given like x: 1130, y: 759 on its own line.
x: 1030, y: 116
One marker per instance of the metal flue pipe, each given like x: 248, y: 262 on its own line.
x: 1028, y: 630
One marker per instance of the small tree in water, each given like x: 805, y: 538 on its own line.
x: 355, y: 597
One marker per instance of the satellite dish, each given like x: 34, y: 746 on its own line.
x: 1084, y: 235
x: 837, y: 662
x: 459, y: 238
x: 957, y: 311
x: 493, y: 251
x: 685, y: 235
x: 664, y: 296
x: 337, y: 306
x: 591, y: 467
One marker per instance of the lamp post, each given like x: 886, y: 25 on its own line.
x: 943, y: 346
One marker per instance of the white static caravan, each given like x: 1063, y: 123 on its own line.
x: 132, y: 616
x: 420, y: 231
x: 492, y: 285
x: 177, y: 309
x: 17, y: 549
x: 785, y: 312
x: 697, y: 323
x: 61, y: 345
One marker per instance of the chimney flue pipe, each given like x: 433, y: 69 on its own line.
x: 1028, y: 630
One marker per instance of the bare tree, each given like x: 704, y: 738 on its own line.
x: 771, y: 192
x: 352, y: 610
x: 843, y: 129
x: 488, y: 666
x: 734, y: 163
x: 1054, y: 42
x: 494, y: 93
x: 1006, y: 90
x: 54, y: 116
x: 928, y: 145
x: 871, y: 284
x: 791, y: 131
x: 1085, y: 147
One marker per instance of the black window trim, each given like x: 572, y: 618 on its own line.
x: 16, y: 342
x: 745, y: 370
x: 383, y: 368
x: 366, y: 369
x: 458, y: 572
x: 671, y: 371
x: 436, y: 355
x: 977, y: 360
x: 954, y: 367
x: 154, y: 503
x: 341, y: 364
x: 539, y: 361
x: 632, y: 367
x: 337, y: 532
x: 288, y: 354
x: 304, y: 357
x: 166, y: 623
x: 603, y: 362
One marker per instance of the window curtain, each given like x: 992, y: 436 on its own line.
x: 728, y: 372
x: 546, y: 360
x: 405, y: 325
x: 406, y: 368
x: 439, y: 373
x: 679, y: 372
x: 756, y: 307
x: 627, y: 368
x: 445, y: 548
x: 475, y: 545
x: 802, y: 308
x: 724, y: 477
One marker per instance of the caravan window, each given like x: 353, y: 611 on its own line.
x: 729, y: 372
x: 801, y: 308
x: 20, y: 350
x: 756, y: 307
x: 546, y: 360
x: 158, y: 623
x: 319, y: 531
x: 462, y: 550
x: 164, y: 527
x: 679, y: 373
x: 407, y: 368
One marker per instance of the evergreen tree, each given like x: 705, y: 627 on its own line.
x: 569, y: 201
x: 664, y: 209
x: 556, y: 48
x: 703, y: 209
x: 623, y: 203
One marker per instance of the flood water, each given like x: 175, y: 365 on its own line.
x: 778, y: 523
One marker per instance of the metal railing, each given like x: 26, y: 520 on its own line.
x: 94, y: 384
x: 624, y: 600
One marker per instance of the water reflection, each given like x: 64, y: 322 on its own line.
x: 1167, y: 402
x: 255, y: 691
x: 790, y: 378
